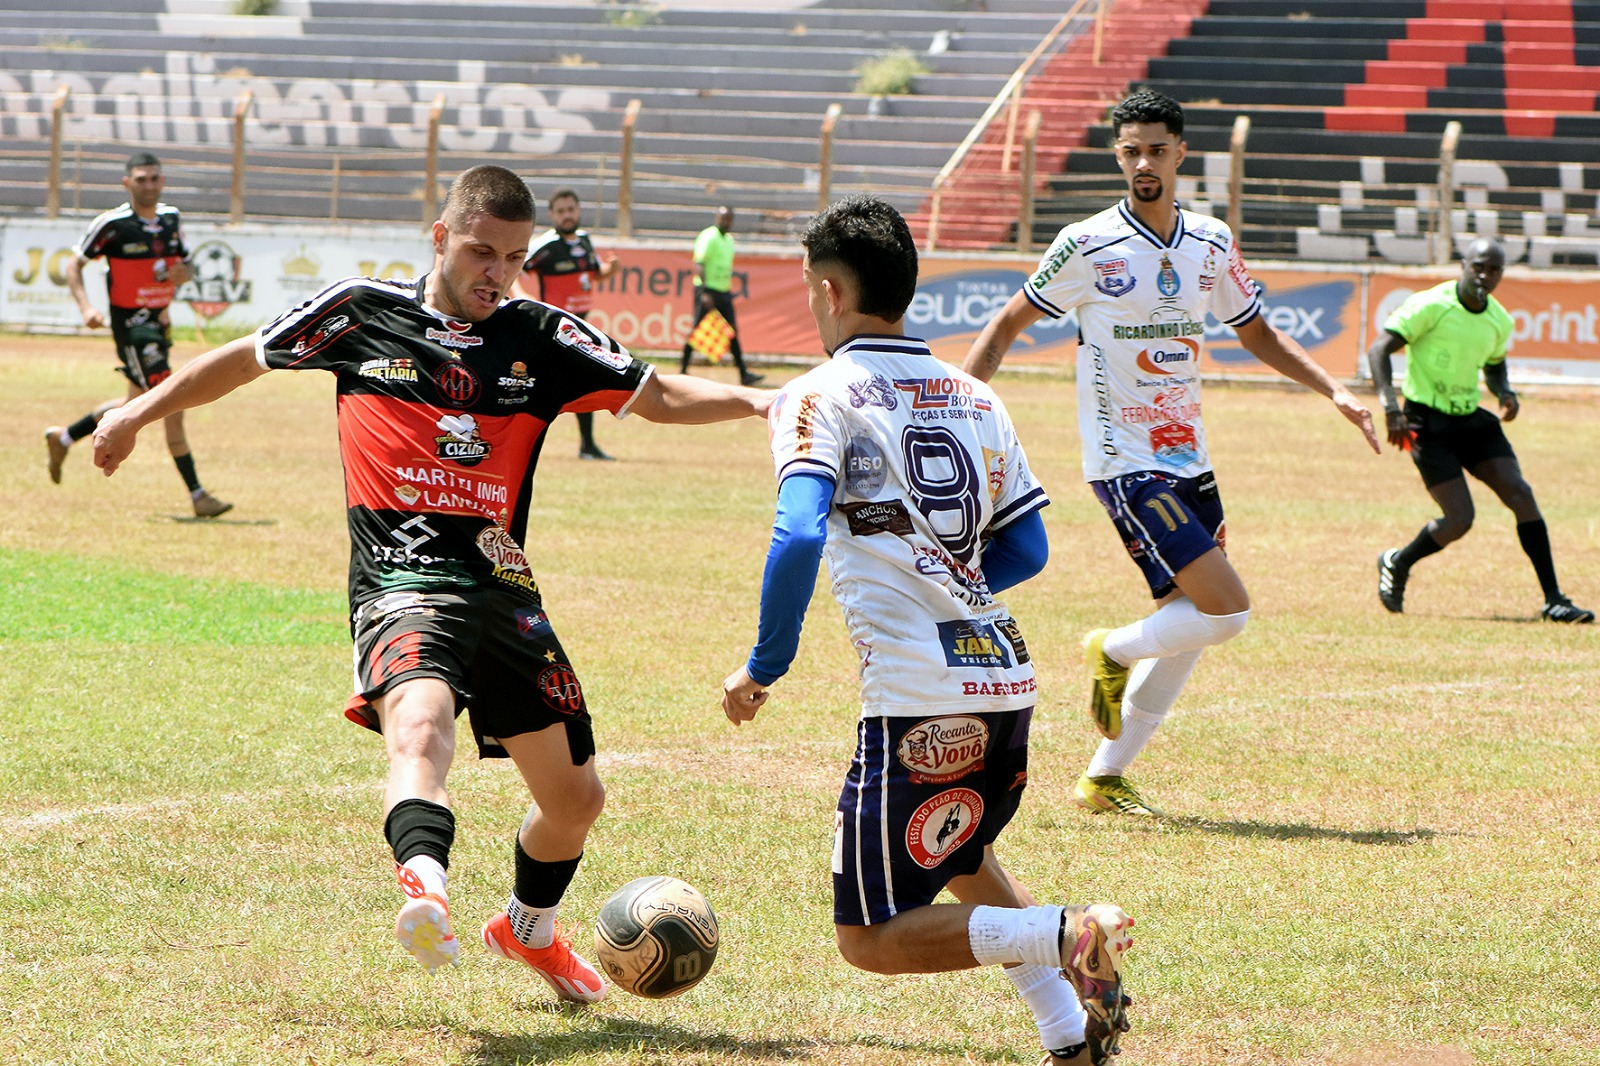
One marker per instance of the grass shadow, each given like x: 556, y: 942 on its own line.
x: 661, y: 1042
x: 196, y: 520
x: 1302, y: 831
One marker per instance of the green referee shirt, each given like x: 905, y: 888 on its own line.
x: 1447, y: 345
x: 713, y: 250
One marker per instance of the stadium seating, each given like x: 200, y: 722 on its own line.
x: 1348, y: 101
x: 732, y: 100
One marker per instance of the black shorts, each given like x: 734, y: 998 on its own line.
x: 144, y: 344
x: 722, y: 301
x: 1445, y: 445
x: 497, y: 652
x: 924, y: 797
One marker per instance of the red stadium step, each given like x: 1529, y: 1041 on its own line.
x: 1467, y: 31
x: 1451, y: 52
x: 1552, y: 78
x: 1409, y: 96
x: 1365, y: 119
x: 1426, y: 75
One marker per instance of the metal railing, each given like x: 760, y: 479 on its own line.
x: 1010, y: 93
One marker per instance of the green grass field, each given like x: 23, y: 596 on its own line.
x: 1384, y: 844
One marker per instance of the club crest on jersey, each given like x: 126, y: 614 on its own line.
x: 457, y: 335
x: 943, y: 824
x: 572, y: 335
x: 875, y: 391
x: 1167, y: 281
x: 460, y: 442
x: 457, y: 384
x: 940, y: 750
x: 1114, y: 279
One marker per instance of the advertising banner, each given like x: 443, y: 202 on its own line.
x: 1555, y: 318
x: 247, y: 275
x: 244, y: 276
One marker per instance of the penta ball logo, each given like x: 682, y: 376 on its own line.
x: 214, y: 283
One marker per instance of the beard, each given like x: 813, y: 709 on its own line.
x: 1149, y: 194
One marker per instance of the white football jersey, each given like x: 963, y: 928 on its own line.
x: 926, y: 466
x: 1142, y: 305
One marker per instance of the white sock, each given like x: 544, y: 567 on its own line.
x: 1055, y: 1006
x: 1113, y: 757
x: 1001, y: 935
x: 422, y: 872
x: 1176, y: 627
x: 534, y: 927
x: 66, y: 439
x: 1153, y: 687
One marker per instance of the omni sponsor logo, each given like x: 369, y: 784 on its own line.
x: 1167, y: 358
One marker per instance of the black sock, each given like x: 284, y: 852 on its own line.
x: 1535, y: 538
x: 420, y: 827
x: 83, y: 426
x: 1421, y: 546
x: 586, y: 430
x: 185, y: 465
x: 683, y: 367
x: 542, y: 884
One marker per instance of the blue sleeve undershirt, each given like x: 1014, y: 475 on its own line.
x: 1017, y: 551
x: 798, y: 534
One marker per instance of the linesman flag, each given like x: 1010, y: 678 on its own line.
x: 713, y: 336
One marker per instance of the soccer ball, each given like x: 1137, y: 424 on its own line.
x: 656, y: 937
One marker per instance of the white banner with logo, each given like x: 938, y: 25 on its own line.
x: 244, y: 275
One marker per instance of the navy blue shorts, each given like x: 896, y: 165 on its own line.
x: 1166, y: 522
x: 924, y: 797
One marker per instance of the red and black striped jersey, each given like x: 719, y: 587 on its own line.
x: 565, y: 267
x: 139, y: 253
x: 441, y: 422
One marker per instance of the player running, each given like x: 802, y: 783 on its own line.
x: 146, y: 259
x: 444, y: 396
x: 908, y: 476
x: 1450, y: 332
x: 1142, y: 276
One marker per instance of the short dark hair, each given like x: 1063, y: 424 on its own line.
x: 562, y: 194
x: 1147, y: 105
x: 867, y: 237
x: 489, y: 190
x: 140, y: 159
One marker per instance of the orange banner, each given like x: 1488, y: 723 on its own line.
x: 1556, y: 319
x: 648, y: 303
